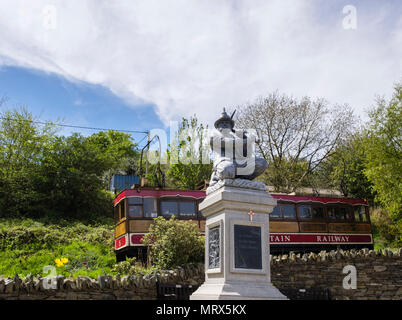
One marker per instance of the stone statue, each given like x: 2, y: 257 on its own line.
x: 235, y: 162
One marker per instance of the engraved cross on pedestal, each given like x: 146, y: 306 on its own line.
x: 251, y: 213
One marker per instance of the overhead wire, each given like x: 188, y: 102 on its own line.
x: 72, y: 126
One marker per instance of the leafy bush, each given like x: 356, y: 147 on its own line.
x: 130, y: 267
x: 387, y: 233
x: 174, y: 243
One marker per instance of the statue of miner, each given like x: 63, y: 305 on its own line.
x: 234, y: 152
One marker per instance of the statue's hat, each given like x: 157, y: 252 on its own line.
x: 225, y: 117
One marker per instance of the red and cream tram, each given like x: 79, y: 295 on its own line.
x: 297, y: 223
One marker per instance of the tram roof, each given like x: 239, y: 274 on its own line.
x: 199, y: 194
x: 322, y: 200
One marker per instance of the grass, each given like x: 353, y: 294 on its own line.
x: 28, y: 247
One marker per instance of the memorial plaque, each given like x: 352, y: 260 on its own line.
x: 214, y: 248
x: 247, y: 247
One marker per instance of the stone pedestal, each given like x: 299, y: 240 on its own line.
x: 236, y: 245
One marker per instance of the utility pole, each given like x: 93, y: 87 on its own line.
x: 146, y: 163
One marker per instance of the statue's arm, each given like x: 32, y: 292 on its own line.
x: 251, y: 136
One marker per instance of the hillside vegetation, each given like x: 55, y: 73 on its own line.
x: 28, y: 246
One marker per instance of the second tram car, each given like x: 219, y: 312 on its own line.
x: 297, y: 223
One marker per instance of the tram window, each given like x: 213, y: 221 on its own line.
x: 343, y: 214
x: 289, y: 212
x: 346, y: 214
x: 134, y: 200
x: 134, y: 207
x: 276, y: 213
x: 318, y: 212
x: 356, y: 212
x: 187, y: 208
x: 333, y: 212
x: 122, y: 209
x: 150, y: 210
x: 169, y: 208
x: 360, y: 214
x: 364, y: 215
x: 116, y: 213
x: 134, y: 211
x: 339, y: 213
x: 305, y: 212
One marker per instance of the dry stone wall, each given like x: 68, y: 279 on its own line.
x: 378, y: 273
x: 378, y: 276
x: 137, y: 287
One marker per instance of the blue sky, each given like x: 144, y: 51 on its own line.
x: 51, y: 97
x: 136, y: 65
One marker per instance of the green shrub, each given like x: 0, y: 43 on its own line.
x: 130, y: 267
x: 41, y: 234
x: 386, y: 232
x: 174, y: 243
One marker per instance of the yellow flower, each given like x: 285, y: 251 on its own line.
x: 60, y: 264
x: 64, y: 260
x: 58, y: 261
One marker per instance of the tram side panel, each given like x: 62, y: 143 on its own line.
x: 296, y: 235
x: 318, y: 236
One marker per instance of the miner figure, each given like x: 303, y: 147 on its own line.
x: 234, y: 152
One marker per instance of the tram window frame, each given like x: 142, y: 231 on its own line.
x: 179, y: 215
x: 365, y: 215
x: 155, y: 204
x: 312, y: 207
x: 141, y: 206
x: 281, y: 211
x: 132, y: 204
x: 189, y: 217
x: 339, y: 209
x: 283, y: 205
x: 280, y: 217
x: 122, y: 211
x: 299, y: 211
x: 330, y: 218
x: 349, y: 212
x: 168, y: 200
x: 324, y: 215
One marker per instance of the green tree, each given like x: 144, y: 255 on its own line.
x: 23, y: 143
x: 118, y: 152
x: 45, y: 174
x: 75, y: 170
x: 189, y: 161
x: 344, y: 169
x: 384, y: 156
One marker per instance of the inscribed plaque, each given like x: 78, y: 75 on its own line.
x: 247, y: 247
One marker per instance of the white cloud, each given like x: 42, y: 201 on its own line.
x: 191, y: 57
